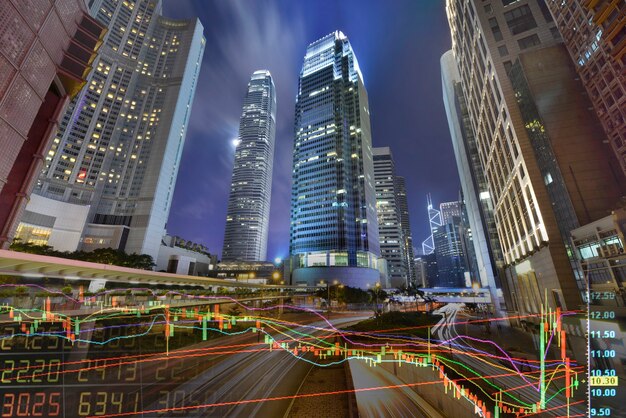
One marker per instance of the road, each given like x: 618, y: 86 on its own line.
x: 447, y: 330
x: 237, y: 381
x: 391, y: 403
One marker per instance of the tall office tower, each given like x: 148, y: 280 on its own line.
x: 405, y: 222
x: 478, y: 202
x: 390, y: 231
x: 247, y: 219
x: 450, y: 210
x: 119, y: 144
x: 434, y: 220
x: 45, y: 55
x: 537, y: 144
x: 432, y: 271
x: 593, y: 33
x: 333, y: 203
x: 421, y: 274
x: 450, y: 251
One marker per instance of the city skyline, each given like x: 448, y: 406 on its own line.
x: 220, y: 93
x: 300, y: 145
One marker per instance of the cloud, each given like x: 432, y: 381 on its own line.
x: 242, y: 37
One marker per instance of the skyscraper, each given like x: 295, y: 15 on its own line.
x: 45, y: 54
x: 120, y: 142
x: 593, y: 33
x: 434, y: 220
x: 405, y: 223
x: 450, y: 210
x: 452, y: 260
x: 478, y: 201
x: 390, y: 229
x: 546, y: 171
x: 247, y: 219
x: 333, y: 214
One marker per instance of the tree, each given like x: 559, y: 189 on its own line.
x: 101, y: 255
x: 27, y: 247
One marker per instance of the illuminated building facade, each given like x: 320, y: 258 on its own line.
x: 119, y: 144
x: 45, y: 56
x: 476, y: 196
x: 334, y: 229
x: 390, y: 231
x: 434, y: 220
x: 452, y: 259
x: 594, y: 33
x: 247, y: 219
x: 545, y: 169
x: 405, y: 223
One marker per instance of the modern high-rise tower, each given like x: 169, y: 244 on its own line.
x: 390, y: 230
x: 405, y: 223
x: 334, y: 230
x: 478, y: 201
x: 247, y: 219
x: 120, y: 142
x: 434, y: 220
x: 452, y: 258
x: 537, y: 143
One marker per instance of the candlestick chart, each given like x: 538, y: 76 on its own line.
x: 166, y: 359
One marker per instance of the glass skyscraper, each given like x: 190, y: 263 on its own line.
x: 333, y: 212
x: 120, y: 142
x: 449, y: 248
x: 247, y: 220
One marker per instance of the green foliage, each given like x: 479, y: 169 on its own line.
x: 395, y: 319
x: 345, y: 294
x: 66, y: 290
x: 100, y: 255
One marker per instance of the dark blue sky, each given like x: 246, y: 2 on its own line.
x: 398, y: 44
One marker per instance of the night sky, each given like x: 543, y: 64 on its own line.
x: 398, y: 45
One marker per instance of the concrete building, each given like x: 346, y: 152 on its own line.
x: 180, y: 256
x: 54, y: 223
x: 248, y: 215
x: 545, y: 170
x: 334, y: 229
x: 119, y: 144
x: 390, y: 231
x: 46, y: 53
x: 595, y: 36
